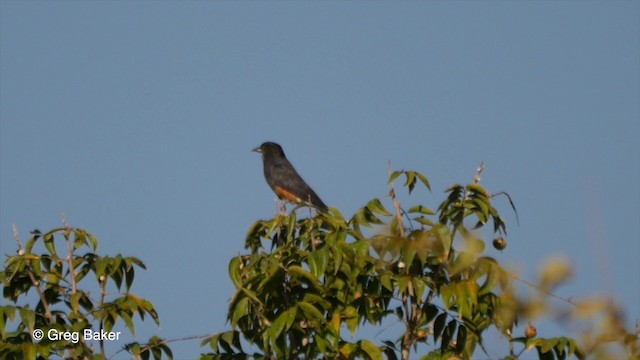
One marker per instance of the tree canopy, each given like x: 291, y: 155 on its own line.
x: 309, y: 286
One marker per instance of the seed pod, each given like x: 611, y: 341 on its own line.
x: 530, y: 332
x: 499, y: 243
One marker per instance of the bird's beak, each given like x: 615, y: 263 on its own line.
x: 258, y: 149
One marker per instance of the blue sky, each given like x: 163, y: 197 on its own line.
x: 136, y: 120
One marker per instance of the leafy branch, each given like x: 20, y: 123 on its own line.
x: 63, y: 306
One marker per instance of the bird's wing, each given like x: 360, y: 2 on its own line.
x: 285, y: 177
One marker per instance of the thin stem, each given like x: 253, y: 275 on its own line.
x: 476, y: 179
x: 408, y: 297
x: 72, y: 272
x: 32, y: 277
x: 544, y: 291
x: 103, y: 294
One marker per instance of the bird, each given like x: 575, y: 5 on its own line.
x: 284, y: 180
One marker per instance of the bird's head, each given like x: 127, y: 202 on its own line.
x: 269, y: 148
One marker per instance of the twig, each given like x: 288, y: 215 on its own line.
x: 510, y: 202
x: 164, y: 342
x: 103, y: 293
x: 17, y: 237
x: 411, y: 310
x: 544, y: 291
x: 72, y: 273
x: 476, y: 179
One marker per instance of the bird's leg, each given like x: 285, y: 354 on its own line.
x: 281, y: 206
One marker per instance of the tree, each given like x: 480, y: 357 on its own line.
x: 66, y: 320
x: 308, y: 286
x: 325, y: 275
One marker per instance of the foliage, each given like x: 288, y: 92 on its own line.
x: 307, y: 286
x: 65, y: 303
x: 324, y: 277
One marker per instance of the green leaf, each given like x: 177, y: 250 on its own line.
x: 298, y: 273
x: 461, y: 339
x: 109, y: 320
x: 94, y: 241
x: 231, y: 339
x: 347, y: 351
x: 133, y: 349
x: 545, y: 355
x: 235, y: 272
x: 376, y: 207
x: 443, y: 235
x: 369, y: 348
x: 129, y: 274
x: 385, y: 280
x: 430, y: 312
x: 478, y: 189
x: 28, y: 350
x: 403, y: 283
x: 291, y: 226
x: 462, y: 262
x: 318, y: 261
x: 337, y: 260
x: 321, y: 342
x: 446, y: 293
x: 6, y: 312
x: 80, y: 239
x: 447, y: 335
x: 311, y: 311
x: 48, y: 243
x: 127, y: 320
x: 350, y: 315
x: 420, y: 209
x: 394, y: 175
x: 548, y: 344
x: 492, y: 275
x: 272, y: 281
x: 466, y: 295
x: 28, y: 317
x: 282, y: 323
x: 424, y: 180
x: 423, y: 220
x: 418, y: 287
x: 320, y: 301
x: 239, y: 310
x: 411, y: 180
x: 438, y: 326
x: 74, y: 300
x: 101, y: 268
x: 408, y: 253
x: 273, y: 225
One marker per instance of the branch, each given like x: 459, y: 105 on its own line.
x: 544, y: 291
x: 72, y: 272
x: 164, y: 342
x: 476, y: 179
x: 34, y: 281
x: 510, y: 202
x: 103, y: 293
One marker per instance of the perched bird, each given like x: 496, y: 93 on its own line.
x: 284, y: 179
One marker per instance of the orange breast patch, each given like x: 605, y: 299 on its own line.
x: 286, y: 195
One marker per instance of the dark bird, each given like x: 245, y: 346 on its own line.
x: 284, y: 179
